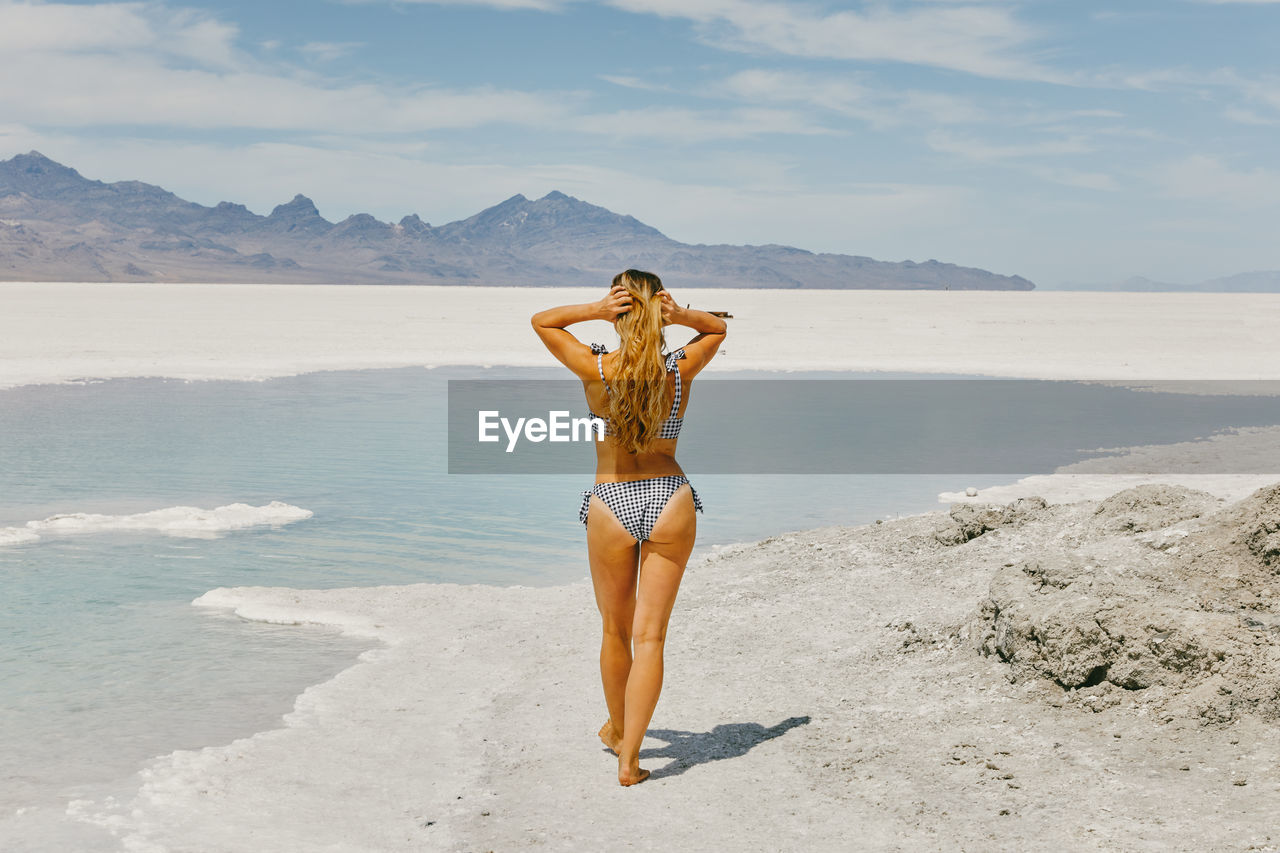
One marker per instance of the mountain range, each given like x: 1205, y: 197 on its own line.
x: 56, y: 225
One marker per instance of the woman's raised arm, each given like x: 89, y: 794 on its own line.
x: 551, y: 326
x: 710, y: 328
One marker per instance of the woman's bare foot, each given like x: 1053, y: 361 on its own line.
x: 629, y: 772
x: 610, y: 737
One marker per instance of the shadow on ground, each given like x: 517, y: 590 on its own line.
x: 686, y: 749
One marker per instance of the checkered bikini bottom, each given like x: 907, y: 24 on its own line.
x: 637, y: 503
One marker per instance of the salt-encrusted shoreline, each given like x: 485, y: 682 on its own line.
x: 823, y: 691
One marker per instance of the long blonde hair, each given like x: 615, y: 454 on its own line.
x: 638, y: 403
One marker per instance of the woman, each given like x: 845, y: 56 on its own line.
x: 640, y: 513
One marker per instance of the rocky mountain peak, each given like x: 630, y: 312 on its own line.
x: 34, y: 162
x: 413, y: 224
x: 38, y: 176
x: 556, y: 217
x: 298, y: 215
x: 362, y: 226
x: 231, y: 218
x: 300, y: 207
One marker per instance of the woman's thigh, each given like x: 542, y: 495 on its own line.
x: 611, y: 551
x: 662, y: 560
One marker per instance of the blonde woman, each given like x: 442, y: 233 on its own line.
x: 640, y: 513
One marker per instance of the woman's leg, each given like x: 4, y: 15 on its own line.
x: 613, y: 554
x: 662, y: 560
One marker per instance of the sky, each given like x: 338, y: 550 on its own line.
x: 1073, y: 141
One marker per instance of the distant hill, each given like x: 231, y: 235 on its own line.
x: 1245, y: 282
x: 56, y: 225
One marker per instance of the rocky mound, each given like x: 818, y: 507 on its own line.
x: 1152, y: 506
x: 1248, y: 529
x: 1155, y: 596
x: 969, y: 521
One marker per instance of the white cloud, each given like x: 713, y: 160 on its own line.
x: 1202, y: 176
x: 93, y: 90
x: 846, y: 95
x: 325, y: 51
x: 1022, y: 157
x: 686, y: 126
x: 1265, y: 91
x: 535, y: 5
x: 630, y: 82
x: 83, y: 90
x: 964, y: 35
x: 1262, y: 90
x: 978, y: 39
x: 1075, y: 178
x: 192, y: 35
x: 985, y: 152
x: 146, y: 65
x: 1243, y: 116
x: 38, y: 26
x: 1045, y: 117
x: 115, y: 28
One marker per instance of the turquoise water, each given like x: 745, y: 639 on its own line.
x: 105, y: 664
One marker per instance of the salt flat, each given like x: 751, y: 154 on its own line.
x: 66, y: 332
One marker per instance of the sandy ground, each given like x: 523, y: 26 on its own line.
x: 824, y: 690
x: 63, y: 332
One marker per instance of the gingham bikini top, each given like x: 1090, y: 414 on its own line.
x: 672, y: 425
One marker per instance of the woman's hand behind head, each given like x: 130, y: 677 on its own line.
x: 670, y: 310
x: 615, y: 304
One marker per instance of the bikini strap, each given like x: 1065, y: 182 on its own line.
x: 673, y: 367
x: 600, y: 350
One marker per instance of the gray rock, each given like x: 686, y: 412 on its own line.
x: 1103, y: 614
x: 1152, y: 506
x: 972, y: 520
